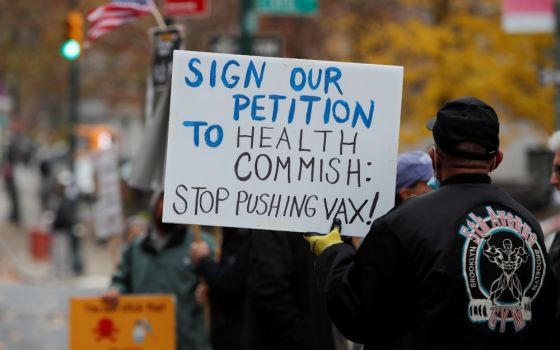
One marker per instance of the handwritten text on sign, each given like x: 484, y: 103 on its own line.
x: 281, y: 144
x: 139, y: 322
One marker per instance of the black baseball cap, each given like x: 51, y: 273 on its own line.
x: 466, y: 119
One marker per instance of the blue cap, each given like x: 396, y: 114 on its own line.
x: 413, y: 167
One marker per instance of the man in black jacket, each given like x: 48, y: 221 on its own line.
x: 286, y: 309
x: 462, y: 267
x: 554, y: 250
x: 66, y: 218
x: 226, y: 284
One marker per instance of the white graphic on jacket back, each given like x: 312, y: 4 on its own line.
x: 503, y: 268
x: 509, y: 260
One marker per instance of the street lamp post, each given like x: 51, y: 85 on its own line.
x: 73, y: 96
x: 244, y: 20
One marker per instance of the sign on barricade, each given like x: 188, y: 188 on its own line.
x: 138, y: 322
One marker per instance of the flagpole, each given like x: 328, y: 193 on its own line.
x: 157, y: 16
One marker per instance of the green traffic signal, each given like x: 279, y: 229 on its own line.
x: 71, y: 50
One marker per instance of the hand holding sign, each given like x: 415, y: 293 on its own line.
x: 111, y: 298
x: 199, y: 250
x: 320, y: 242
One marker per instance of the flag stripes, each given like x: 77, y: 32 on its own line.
x: 115, y: 14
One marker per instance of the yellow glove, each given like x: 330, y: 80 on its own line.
x: 320, y: 242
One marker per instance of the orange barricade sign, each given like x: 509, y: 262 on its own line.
x: 139, y: 322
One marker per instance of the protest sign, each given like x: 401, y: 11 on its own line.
x: 164, y: 42
x: 138, y: 322
x: 281, y: 144
x: 107, y: 208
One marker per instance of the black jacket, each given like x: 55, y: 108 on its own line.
x: 227, y: 283
x: 287, y: 311
x: 458, y: 268
x: 65, y: 216
x: 554, y: 254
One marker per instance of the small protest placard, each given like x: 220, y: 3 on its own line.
x: 281, y: 144
x: 164, y: 42
x: 139, y: 322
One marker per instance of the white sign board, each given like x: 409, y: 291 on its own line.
x: 281, y: 144
x: 107, y: 209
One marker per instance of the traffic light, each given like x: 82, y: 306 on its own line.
x: 73, y: 35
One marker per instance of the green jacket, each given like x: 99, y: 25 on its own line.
x: 143, y: 270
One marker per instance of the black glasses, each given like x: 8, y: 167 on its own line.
x: 556, y: 170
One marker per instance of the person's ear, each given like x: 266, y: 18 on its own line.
x: 405, y: 193
x: 497, y: 160
x: 432, y: 152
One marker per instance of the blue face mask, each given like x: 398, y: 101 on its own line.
x: 434, y: 183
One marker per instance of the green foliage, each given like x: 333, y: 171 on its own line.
x: 113, y: 70
x: 448, y: 49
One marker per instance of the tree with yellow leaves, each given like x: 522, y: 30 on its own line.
x: 450, y: 49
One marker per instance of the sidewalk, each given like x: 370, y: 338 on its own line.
x: 17, y: 264
x: 33, y: 299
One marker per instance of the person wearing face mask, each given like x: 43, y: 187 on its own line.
x: 158, y: 262
x: 461, y: 267
x: 414, y: 170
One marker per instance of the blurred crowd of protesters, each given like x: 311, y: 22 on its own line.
x: 235, y: 288
x: 62, y: 202
x: 158, y: 261
x: 18, y: 150
x: 58, y: 198
x: 66, y: 243
x: 257, y: 286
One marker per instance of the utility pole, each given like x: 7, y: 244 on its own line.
x: 73, y: 100
x: 246, y: 11
x: 73, y: 96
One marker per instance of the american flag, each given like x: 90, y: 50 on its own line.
x: 115, y: 14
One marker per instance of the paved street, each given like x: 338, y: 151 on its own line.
x: 33, y: 295
x: 34, y: 317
